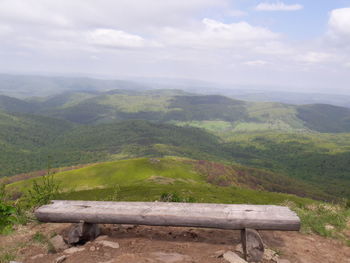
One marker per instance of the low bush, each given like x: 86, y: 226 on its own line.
x: 174, y: 197
x: 7, y: 212
x: 43, y: 190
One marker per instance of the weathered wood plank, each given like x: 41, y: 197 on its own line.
x: 222, y: 216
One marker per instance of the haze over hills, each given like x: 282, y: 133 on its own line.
x: 27, y: 86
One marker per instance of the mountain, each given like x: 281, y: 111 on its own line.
x: 10, y: 104
x: 288, y: 97
x: 25, y: 86
x: 178, y: 107
x: 325, y: 118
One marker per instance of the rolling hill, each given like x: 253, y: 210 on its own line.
x: 148, y: 178
x: 181, y: 108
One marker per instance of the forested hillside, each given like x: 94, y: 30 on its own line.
x: 181, y: 108
x: 84, y: 127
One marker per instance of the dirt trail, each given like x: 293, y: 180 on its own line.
x: 140, y: 244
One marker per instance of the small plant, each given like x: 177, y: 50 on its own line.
x: 39, y: 237
x: 43, y: 191
x: 347, y: 204
x: 6, y: 257
x: 7, y: 218
x: 174, y: 197
x: 114, y: 196
x: 7, y: 212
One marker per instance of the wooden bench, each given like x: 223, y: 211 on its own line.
x: 247, y: 218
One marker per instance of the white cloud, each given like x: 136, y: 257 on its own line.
x: 255, y: 63
x: 215, y: 34
x: 278, y: 6
x: 339, y: 21
x: 236, y: 13
x: 115, y: 39
x: 5, y: 29
x: 315, y: 57
x: 339, y: 27
x: 126, y: 14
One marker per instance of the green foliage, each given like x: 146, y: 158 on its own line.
x: 174, y: 197
x: 7, y: 212
x: 325, y: 118
x: 43, y: 190
x: 7, y: 257
x: 321, y: 218
x: 114, y: 195
x: 7, y: 218
x: 320, y: 160
x: 39, y: 237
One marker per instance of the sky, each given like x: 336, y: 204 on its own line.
x: 288, y: 45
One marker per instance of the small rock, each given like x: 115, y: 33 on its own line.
x: 37, y: 256
x: 109, y: 261
x: 283, y: 261
x: 233, y: 257
x: 106, y: 243
x: 170, y: 257
x: 60, y: 259
x: 239, y: 248
x: 15, y: 262
x: 73, y: 250
x: 103, y: 237
x: 218, y: 254
x: 58, y: 243
x: 92, y: 248
x: 270, y: 255
x: 329, y: 227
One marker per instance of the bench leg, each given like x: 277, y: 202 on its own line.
x: 82, y: 232
x: 253, y: 247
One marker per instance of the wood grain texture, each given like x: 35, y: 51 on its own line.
x: 221, y: 216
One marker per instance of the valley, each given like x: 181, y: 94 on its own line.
x: 173, y: 145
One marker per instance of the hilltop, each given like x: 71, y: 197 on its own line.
x: 184, y: 180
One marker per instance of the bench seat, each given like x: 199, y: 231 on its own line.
x: 221, y: 216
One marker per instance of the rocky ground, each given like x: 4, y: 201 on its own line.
x: 141, y: 244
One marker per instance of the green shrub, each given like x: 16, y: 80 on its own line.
x: 7, y: 212
x: 174, y: 197
x: 6, y: 257
x: 39, y: 237
x: 7, y: 218
x: 114, y: 196
x: 43, y: 191
x: 323, y: 218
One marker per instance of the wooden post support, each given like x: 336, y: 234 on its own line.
x: 253, y: 247
x: 81, y: 233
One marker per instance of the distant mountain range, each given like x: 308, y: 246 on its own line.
x: 182, y: 108
x: 25, y: 86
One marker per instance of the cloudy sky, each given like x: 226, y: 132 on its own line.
x: 287, y: 44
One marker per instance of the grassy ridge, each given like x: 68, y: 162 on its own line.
x: 173, y: 172
x: 148, y: 178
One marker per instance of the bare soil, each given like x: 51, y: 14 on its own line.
x: 139, y: 244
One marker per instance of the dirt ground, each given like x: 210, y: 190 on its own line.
x: 141, y: 244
